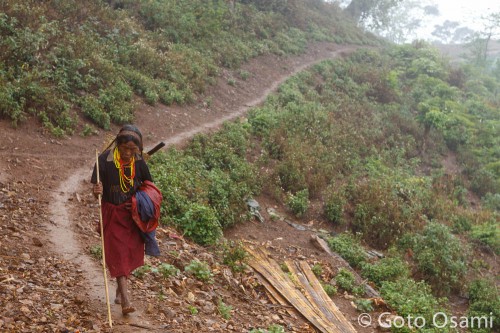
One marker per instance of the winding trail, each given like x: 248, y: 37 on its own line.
x: 62, y: 231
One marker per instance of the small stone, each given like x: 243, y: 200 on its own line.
x: 37, y: 242
x: 25, y: 256
x: 56, y: 307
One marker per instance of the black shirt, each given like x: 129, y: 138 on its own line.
x: 110, y: 178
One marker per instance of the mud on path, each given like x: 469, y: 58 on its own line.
x: 47, y: 211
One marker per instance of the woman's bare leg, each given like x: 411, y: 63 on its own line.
x: 118, y: 296
x: 125, y: 302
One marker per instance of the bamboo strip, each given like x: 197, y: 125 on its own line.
x: 339, y: 319
x: 273, y: 273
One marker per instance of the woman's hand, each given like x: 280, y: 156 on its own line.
x: 97, y: 189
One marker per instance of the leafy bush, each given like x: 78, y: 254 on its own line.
x: 298, y: 202
x: 141, y: 271
x: 96, y: 251
x: 484, y: 301
x: 200, y: 270
x: 234, y: 255
x: 334, y: 206
x: 385, y: 269
x: 487, y: 234
x: 384, y: 210
x: 274, y: 328
x: 329, y: 289
x: 224, y: 309
x: 317, y: 269
x: 167, y: 270
x: 461, y: 224
x: 410, y: 298
x: 348, y: 248
x: 200, y: 223
x: 440, y: 258
x: 364, y: 305
x: 492, y: 201
x: 346, y: 280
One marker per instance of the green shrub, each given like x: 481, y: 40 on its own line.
x: 410, y: 298
x: 298, y: 202
x: 200, y: 270
x: 329, y: 289
x: 484, y: 301
x: 345, y: 279
x: 385, y: 269
x: 491, y: 201
x: 317, y: 269
x: 141, y: 271
x: 92, y: 108
x: 167, y: 270
x: 200, y: 224
x: 335, y: 201
x: 385, y: 209
x: 96, y: 251
x: 348, y: 248
x: 461, y: 224
x: 364, y: 305
x: 440, y: 258
x: 487, y: 234
x: 224, y: 309
x: 274, y: 328
x: 234, y: 255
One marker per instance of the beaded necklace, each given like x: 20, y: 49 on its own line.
x: 126, y: 183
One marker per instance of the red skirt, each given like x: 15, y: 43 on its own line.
x: 124, y: 246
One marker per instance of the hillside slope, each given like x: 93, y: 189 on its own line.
x: 48, y: 218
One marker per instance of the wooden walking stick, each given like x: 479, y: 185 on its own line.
x: 102, y: 244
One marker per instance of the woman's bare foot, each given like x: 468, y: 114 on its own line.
x: 126, y: 309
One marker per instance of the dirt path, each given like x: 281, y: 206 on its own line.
x: 173, y: 125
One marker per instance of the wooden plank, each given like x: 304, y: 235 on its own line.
x: 307, y: 297
x: 284, y: 286
x: 329, y: 306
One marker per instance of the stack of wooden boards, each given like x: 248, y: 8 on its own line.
x: 301, y: 289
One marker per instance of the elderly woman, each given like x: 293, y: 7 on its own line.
x: 121, y: 171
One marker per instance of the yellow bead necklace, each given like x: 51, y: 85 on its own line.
x: 126, y: 183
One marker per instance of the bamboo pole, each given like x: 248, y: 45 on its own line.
x: 102, y: 245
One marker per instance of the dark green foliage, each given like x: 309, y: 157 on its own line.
x: 364, y: 305
x: 348, y: 248
x: 410, y: 298
x: 298, y: 202
x: 385, y: 269
x: 461, y: 224
x: 200, y: 223
x: 346, y: 280
x: 440, y: 258
x: 484, y: 301
x: 487, y: 234
x: 167, y: 270
x: 163, y: 50
x: 199, y: 269
x: 205, y: 187
x: 335, y: 201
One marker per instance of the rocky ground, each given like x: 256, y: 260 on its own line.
x: 50, y: 277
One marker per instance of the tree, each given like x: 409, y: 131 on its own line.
x: 396, y: 20
x: 375, y: 11
x: 478, y: 44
